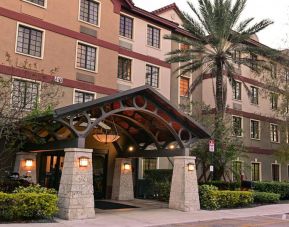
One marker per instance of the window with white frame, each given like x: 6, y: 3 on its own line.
x: 25, y: 94
x: 256, y: 171
x: 37, y: 2
x: 254, y: 95
x: 153, y: 36
x: 86, y: 56
x: 124, y: 68
x: 274, y: 101
x: 237, y: 90
x: 126, y: 26
x: 255, y: 129
x: 237, y: 126
x: 274, y: 132
x: 89, y: 11
x: 152, y: 76
x: 276, y: 172
x: 149, y: 163
x: 81, y: 96
x: 29, y: 41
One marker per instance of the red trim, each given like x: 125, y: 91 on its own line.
x: 23, y: 73
x: 24, y: 18
x: 258, y: 150
x: 167, y: 8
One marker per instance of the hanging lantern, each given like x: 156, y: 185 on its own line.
x: 107, y: 134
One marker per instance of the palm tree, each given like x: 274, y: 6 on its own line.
x: 218, y: 36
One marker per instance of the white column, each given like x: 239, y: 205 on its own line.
x: 122, y: 184
x: 25, y: 165
x: 184, y: 194
x: 76, y: 198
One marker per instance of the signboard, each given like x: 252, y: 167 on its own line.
x: 212, y: 145
x: 211, y: 168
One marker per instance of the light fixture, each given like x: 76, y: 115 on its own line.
x: 83, y: 162
x: 106, y: 134
x: 130, y: 148
x: 172, y: 146
x: 191, y: 167
x: 126, y: 166
x: 28, y: 163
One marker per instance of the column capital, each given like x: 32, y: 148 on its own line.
x: 185, y: 157
x: 78, y: 150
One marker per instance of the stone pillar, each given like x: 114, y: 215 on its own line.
x: 184, y: 194
x: 122, y: 184
x: 23, y: 170
x: 76, y: 198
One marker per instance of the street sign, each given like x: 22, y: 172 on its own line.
x: 212, y: 145
x: 211, y: 168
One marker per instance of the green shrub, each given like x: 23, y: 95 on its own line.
x: 159, y: 175
x: 27, y: 206
x: 9, y: 185
x: 223, y: 185
x: 281, y: 188
x: 35, y: 189
x: 163, y: 191
x: 266, y: 197
x: 212, y: 199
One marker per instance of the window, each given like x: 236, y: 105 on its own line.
x: 124, y: 68
x: 274, y: 132
x: 237, y: 169
x: 126, y: 26
x: 86, y: 57
x: 89, y: 11
x: 237, y: 57
x: 80, y: 97
x: 25, y: 94
x: 149, y: 163
x: 255, y: 129
x: 184, y: 46
x: 276, y: 172
x: 254, y: 60
x: 152, y: 76
x: 237, y: 90
x: 153, y: 36
x: 237, y: 126
x: 37, y: 2
x: 273, y: 70
x: 184, y: 86
x: 254, y: 95
x: 256, y: 171
x: 274, y: 101
x: 29, y: 41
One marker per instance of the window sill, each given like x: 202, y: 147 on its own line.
x: 275, y: 142
x: 156, y: 48
x: 124, y: 81
x: 126, y: 38
x: 86, y: 70
x: 255, y: 139
x: 87, y: 23
x: 237, y: 100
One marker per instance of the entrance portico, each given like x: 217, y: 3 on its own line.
x: 147, y: 126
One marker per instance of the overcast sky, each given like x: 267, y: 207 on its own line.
x: 275, y: 36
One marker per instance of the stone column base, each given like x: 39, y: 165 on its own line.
x: 122, y: 185
x: 76, y: 198
x: 184, y: 194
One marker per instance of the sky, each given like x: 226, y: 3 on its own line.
x: 275, y: 36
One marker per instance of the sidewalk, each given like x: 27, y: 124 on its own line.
x: 156, y: 217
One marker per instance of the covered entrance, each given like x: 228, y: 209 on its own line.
x: 144, y: 124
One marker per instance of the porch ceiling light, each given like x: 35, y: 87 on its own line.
x: 106, y: 134
x: 127, y: 166
x: 172, y: 146
x: 191, y: 167
x: 83, y: 162
x: 130, y: 148
x: 28, y: 163
x: 106, y: 138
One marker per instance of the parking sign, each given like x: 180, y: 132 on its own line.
x: 212, y: 145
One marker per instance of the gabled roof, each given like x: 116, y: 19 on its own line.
x: 167, y: 8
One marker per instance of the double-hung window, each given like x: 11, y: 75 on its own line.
x: 184, y: 86
x: 37, y: 2
x: 256, y: 171
x: 29, y: 41
x: 89, y: 11
x: 86, y: 57
x: 80, y: 96
x: 124, y: 68
x: 126, y: 26
x: 237, y: 90
x: 237, y: 126
x: 25, y: 94
x: 255, y: 129
x: 274, y: 132
x: 153, y: 36
x: 276, y: 172
x: 254, y: 95
x: 152, y: 76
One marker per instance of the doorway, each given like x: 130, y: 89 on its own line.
x: 99, y: 163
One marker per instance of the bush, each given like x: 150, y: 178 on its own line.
x: 223, y: 185
x: 35, y: 189
x: 273, y: 187
x: 159, y: 175
x: 27, y: 206
x: 9, y: 185
x: 266, y: 197
x: 212, y: 199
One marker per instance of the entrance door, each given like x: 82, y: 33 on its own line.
x: 51, y: 169
x: 99, y: 162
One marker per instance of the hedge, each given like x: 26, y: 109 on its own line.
x: 281, y: 188
x: 266, y: 197
x: 27, y: 206
x: 223, y: 185
x: 212, y: 199
x: 159, y: 175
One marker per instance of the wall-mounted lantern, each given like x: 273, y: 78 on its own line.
x: 83, y: 162
x: 191, y: 167
x: 28, y: 163
x: 127, y: 166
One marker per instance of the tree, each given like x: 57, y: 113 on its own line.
x: 219, y: 38
x: 20, y: 105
